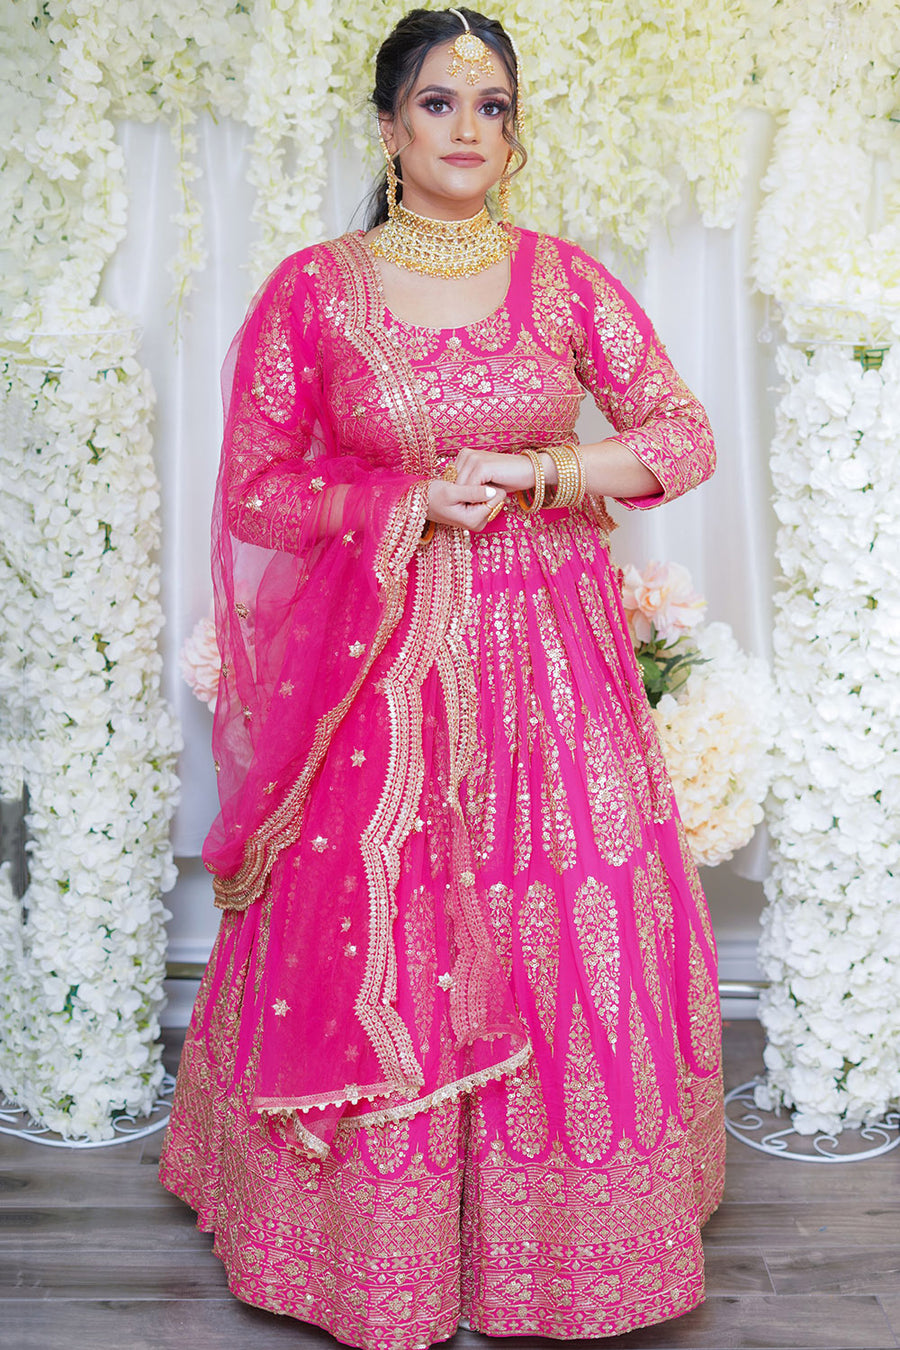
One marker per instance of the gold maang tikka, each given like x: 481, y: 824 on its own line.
x: 469, y: 54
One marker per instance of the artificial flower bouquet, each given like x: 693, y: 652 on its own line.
x: 711, y: 704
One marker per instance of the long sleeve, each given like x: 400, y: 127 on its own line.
x: 622, y: 363
x: 273, y: 396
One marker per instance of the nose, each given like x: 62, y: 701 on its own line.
x: 466, y: 129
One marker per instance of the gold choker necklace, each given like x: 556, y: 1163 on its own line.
x: 441, y: 248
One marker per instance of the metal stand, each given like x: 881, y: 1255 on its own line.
x: 767, y: 1132
x: 16, y: 1121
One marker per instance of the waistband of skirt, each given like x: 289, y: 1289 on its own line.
x: 545, y: 514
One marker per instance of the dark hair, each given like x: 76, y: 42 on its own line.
x: 400, y: 59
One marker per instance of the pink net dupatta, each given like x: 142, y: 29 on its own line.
x: 342, y: 733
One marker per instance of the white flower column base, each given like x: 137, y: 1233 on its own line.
x: 771, y: 1132
x: 15, y: 1120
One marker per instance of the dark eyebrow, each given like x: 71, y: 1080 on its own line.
x: 450, y: 93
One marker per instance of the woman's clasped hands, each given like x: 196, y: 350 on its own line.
x: 475, y: 487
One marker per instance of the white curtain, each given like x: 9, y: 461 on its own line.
x: 694, y: 286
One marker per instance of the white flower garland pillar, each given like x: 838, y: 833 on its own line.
x: 85, y: 730
x: 831, y: 930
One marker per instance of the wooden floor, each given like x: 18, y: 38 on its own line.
x: 95, y: 1256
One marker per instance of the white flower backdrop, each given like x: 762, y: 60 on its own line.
x: 827, y: 250
x: 635, y: 101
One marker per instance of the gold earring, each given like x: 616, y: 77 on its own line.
x: 392, y: 179
x: 503, y: 194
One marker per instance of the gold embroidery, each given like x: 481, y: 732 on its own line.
x: 588, y: 1121
x: 647, y: 1101
x: 388, y: 1146
x: 562, y: 693
x: 622, y: 341
x: 500, y: 901
x: 617, y: 827
x: 273, y: 384
x: 526, y: 1113
x: 538, y: 922
x: 594, y: 607
x: 552, y: 307
x: 661, y: 893
x: 703, y: 1006
x: 646, y: 935
x: 421, y: 962
x: 597, y: 924
x: 522, y: 825
x: 557, y: 832
x: 693, y: 877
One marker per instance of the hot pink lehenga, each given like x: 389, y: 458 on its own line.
x: 457, y: 1050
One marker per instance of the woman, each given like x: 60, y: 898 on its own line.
x: 456, y: 1055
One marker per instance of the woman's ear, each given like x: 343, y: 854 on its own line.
x: 386, y: 131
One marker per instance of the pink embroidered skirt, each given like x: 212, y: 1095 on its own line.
x: 566, y: 1201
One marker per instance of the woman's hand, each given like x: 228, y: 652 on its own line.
x: 468, y: 505
x: 512, y: 473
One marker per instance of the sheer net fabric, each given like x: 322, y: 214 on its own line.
x: 457, y: 1048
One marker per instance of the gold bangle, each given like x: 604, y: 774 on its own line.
x: 535, y: 501
x: 570, y: 472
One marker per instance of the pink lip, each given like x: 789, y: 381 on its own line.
x: 463, y: 159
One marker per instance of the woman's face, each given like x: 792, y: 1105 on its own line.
x: 457, y: 150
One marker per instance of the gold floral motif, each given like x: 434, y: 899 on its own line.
x: 272, y: 384
x: 552, y: 306
x: 632, y: 754
x: 661, y: 795
x: 616, y: 823
x: 594, y: 606
x: 647, y: 1102
x: 492, y: 333
x: 522, y: 824
x: 443, y: 1135
x: 703, y: 1006
x: 481, y: 807
x: 476, y: 378
x: 387, y: 1145
x: 500, y: 902
x: 597, y: 924
x: 588, y: 1120
x: 526, y: 1113
x: 418, y: 344
x: 538, y: 923
x: 693, y: 877
x: 420, y: 958
x: 557, y: 832
x: 621, y: 340
x: 557, y: 665
x: 645, y: 923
